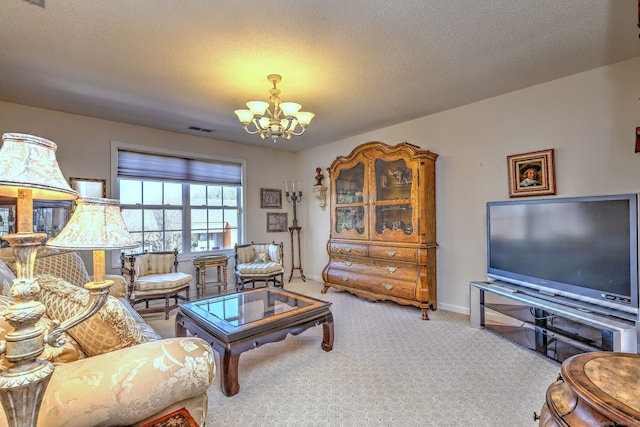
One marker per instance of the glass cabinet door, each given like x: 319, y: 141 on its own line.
x: 394, y: 213
x: 350, y: 215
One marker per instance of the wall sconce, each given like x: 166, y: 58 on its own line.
x: 319, y: 190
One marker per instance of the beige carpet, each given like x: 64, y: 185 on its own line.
x: 387, y: 368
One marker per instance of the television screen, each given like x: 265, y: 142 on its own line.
x: 585, y: 248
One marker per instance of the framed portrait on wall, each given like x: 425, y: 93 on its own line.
x: 270, y: 198
x: 532, y: 174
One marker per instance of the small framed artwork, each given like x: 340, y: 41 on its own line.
x: 89, y: 187
x: 276, y: 222
x: 270, y: 198
x: 532, y: 174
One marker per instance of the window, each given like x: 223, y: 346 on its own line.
x: 164, y: 208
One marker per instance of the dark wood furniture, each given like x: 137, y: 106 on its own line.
x: 594, y: 389
x: 201, y: 264
x: 237, y: 322
x: 154, y: 276
x: 292, y: 231
x: 383, y: 226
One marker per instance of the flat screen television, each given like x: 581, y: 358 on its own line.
x: 576, y: 249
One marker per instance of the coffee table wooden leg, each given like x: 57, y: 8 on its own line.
x: 327, y: 334
x: 229, y: 373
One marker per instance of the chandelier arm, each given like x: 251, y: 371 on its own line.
x: 299, y: 133
x: 251, y: 132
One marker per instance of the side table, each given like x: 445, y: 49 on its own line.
x: 201, y: 264
x: 293, y: 255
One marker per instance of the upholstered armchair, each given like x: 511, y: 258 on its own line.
x: 154, y: 275
x: 259, y: 262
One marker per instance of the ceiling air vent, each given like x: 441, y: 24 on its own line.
x: 199, y: 129
x: 36, y: 2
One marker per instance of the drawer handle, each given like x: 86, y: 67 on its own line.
x: 346, y: 250
x: 387, y: 286
x: 392, y: 269
x: 390, y: 253
x: 345, y: 279
x: 348, y: 263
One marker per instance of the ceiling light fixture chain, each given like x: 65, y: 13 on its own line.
x: 268, y: 123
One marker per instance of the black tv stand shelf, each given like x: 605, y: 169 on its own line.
x: 549, y: 327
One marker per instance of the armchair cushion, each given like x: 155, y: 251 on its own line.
x: 111, y: 328
x: 154, y: 282
x: 68, y: 352
x: 259, y: 268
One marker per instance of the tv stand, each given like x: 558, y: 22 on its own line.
x: 550, y: 327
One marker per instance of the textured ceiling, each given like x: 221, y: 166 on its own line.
x: 358, y: 65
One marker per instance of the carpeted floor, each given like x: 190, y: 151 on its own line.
x: 388, y: 367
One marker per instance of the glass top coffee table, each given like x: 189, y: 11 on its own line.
x: 241, y: 321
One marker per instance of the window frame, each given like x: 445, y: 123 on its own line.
x: 186, y: 252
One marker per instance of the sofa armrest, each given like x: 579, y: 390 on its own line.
x: 129, y: 385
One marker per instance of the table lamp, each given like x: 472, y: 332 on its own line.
x: 96, y: 225
x: 28, y: 170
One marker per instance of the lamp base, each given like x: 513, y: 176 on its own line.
x: 22, y: 388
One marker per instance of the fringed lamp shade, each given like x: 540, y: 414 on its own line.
x: 96, y: 225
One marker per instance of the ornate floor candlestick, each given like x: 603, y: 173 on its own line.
x: 295, y: 228
x: 293, y: 198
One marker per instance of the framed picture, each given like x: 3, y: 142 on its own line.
x: 532, y: 174
x: 89, y: 187
x: 276, y: 222
x: 270, y: 198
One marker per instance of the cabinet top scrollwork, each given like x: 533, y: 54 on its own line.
x: 413, y: 151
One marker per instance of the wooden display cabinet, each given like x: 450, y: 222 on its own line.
x: 49, y: 217
x: 383, y: 229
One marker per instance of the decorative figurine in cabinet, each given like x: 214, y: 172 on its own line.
x: 383, y: 230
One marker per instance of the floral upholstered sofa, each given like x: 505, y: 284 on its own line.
x: 113, y: 370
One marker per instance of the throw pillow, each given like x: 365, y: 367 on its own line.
x: 142, y: 265
x: 68, y: 352
x: 65, y: 265
x: 274, y: 253
x: 111, y: 328
x: 261, y: 257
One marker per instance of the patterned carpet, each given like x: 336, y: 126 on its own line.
x: 388, y: 367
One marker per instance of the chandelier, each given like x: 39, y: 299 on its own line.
x: 269, y: 123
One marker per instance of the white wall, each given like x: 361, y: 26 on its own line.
x: 589, y: 119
